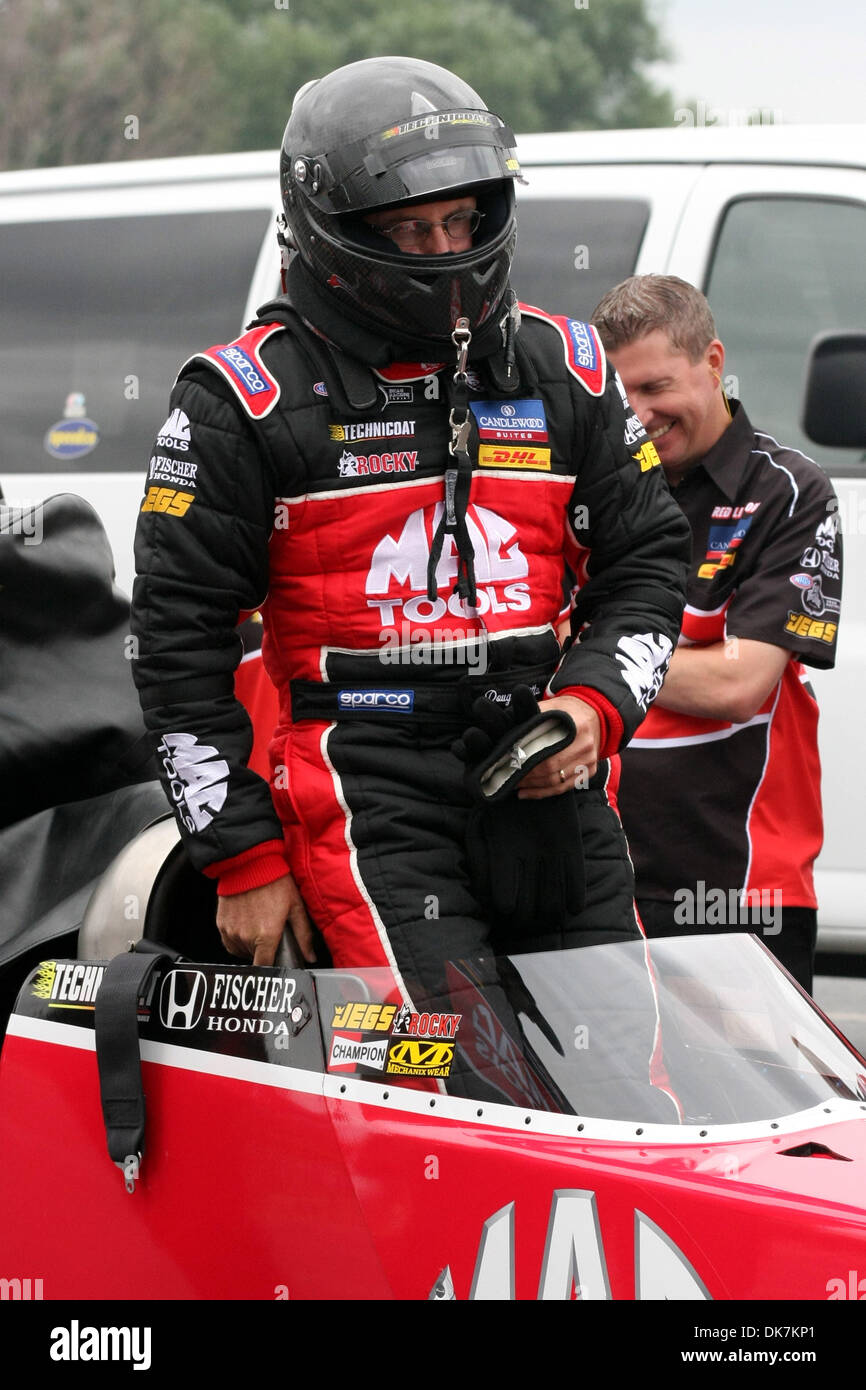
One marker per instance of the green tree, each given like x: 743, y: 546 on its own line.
x: 89, y: 80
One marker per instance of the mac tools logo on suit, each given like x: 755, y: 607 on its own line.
x: 400, y: 563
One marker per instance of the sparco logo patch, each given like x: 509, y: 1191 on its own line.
x: 510, y: 419
x: 365, y: 700
x: 244, y: 369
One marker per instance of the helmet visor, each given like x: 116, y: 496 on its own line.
x: 425, y: 156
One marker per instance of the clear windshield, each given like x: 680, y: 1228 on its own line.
x: 690, y: 1030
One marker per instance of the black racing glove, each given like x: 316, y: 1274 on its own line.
x: 525, y: 857
x: 507, y: 741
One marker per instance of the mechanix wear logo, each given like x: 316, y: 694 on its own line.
x: 416, y: 1057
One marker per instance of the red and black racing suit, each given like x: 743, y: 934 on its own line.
x: 266, y: 490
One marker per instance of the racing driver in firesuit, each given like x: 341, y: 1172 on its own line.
x: 400, y: 466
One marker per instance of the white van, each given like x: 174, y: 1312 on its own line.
x: 113, y: 274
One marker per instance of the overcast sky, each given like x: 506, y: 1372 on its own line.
x: 805, y: 59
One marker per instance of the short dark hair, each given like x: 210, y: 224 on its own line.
x: 644, y: 303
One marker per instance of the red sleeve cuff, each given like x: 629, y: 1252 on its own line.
x: 610, y: 724
x: 262, y: 864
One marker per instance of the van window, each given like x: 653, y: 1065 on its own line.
x: 107, y: 309
x: 784, y: 270
x: 571, y: 250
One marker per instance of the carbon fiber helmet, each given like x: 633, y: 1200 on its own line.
x: 390, y: 132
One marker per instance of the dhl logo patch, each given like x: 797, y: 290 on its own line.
x: 497, y: 456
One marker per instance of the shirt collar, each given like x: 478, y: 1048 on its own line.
x: 724, y: 461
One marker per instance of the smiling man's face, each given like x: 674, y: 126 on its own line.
x: 679, y: 401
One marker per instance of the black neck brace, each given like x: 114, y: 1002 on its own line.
x: 369, y: 345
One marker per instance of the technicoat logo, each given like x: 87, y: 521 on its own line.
x: 644, y: 660
x: 197, y: 778
x: 175, y: 433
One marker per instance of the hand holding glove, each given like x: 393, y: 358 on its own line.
x: 525, y: 857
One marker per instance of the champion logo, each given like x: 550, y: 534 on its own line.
x: 175, y: 433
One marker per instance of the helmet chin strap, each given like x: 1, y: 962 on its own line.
x: 286, y: 243
x: 458, y: 480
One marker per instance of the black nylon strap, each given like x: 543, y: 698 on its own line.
x: 454, y: 699
x: 118, y: 1053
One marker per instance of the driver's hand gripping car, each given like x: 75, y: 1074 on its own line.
x: 400, y: 466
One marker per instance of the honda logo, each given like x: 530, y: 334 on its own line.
x: 182, y: 998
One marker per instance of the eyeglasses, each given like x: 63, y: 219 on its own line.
x: 415, y: 232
